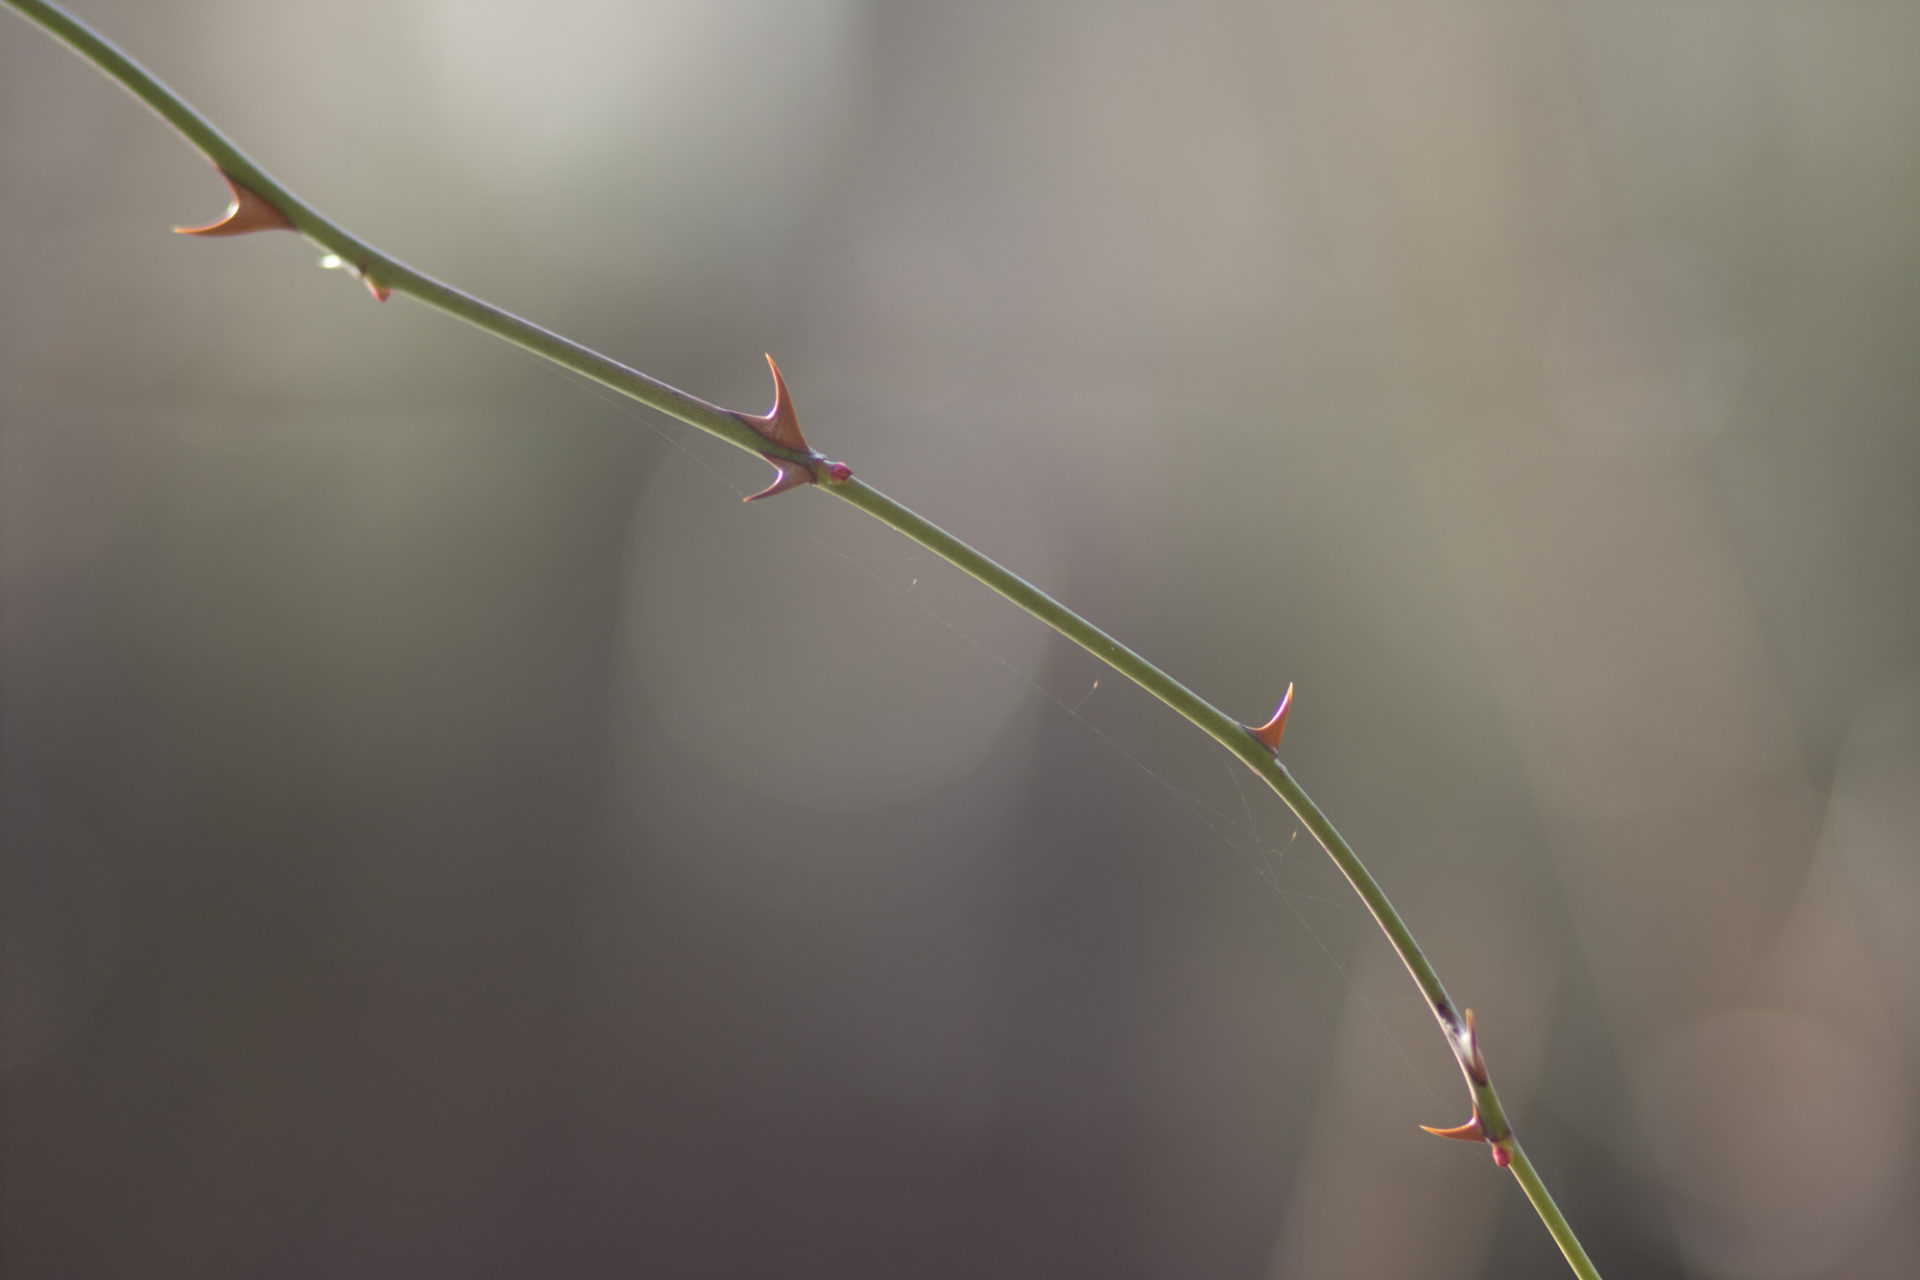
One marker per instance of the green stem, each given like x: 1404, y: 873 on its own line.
x: 1556, y: 1222
x: 397, y: 276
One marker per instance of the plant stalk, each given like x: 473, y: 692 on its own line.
x: 390, y: 273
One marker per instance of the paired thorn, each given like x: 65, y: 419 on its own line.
x: 1467, y: 1050
x: 248, y: 212
x: 780, y: 426
x: 1269, y: 733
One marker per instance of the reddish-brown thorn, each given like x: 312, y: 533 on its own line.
x: 1471, y: 1131
x: 792, y: 476
x: 248, y: 212
x: 780, y: 424
x: 334, y: 262
x: 1476, y: 1065
x: 1466, y: 1047
x: 1269, y: 733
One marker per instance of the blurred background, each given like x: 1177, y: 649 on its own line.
x: 445, y: 833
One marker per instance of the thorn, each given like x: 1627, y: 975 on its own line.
x: 1269, y: 733
x: 334, y: 262
x: 1471, y: 1131
x: 248, y: 212
x: 792, y: 476
x: 1476, y: 1065
x: 1466, y: 1047
x: 780, y: 426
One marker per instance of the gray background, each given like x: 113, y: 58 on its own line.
x: 446, y: 834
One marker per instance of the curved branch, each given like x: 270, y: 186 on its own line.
x: 767, y: 435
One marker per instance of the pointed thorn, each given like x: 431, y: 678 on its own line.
x: 780, y: 424
x: 1476, y: 1065
x: 248, y: 212
x: 1471, y: 1131
x: 792, y: 476
x: 1269, y: 733
x: 379, y: 291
